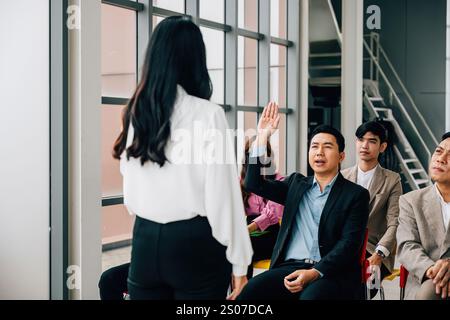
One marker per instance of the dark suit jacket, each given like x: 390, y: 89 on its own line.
x: 342, y: 224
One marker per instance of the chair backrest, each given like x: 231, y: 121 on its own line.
x: 403, y: 277
x: 363, y: 262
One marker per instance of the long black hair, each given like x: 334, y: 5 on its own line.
x: 176, y: 55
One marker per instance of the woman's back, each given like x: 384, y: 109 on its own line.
x: 176, y: 191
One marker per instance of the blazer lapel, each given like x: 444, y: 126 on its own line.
x: 300, y: 188
x: 353, y: 174
x: 433, y: 213
x: 334, y: 195
x: 377, y: 182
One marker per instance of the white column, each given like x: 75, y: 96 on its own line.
x: 352, y: 75
x: 85, y: 169
x: 25, y: 150
x: 303, y: 82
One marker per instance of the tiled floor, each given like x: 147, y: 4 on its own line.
x: 120, y: 256
x: 115, y: 257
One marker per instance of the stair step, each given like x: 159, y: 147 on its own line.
x: 325, y: 46
x: 414, y: 171
x: 325, y: 81
x: 376, y: 99
x: 411, y: 160
x: 382, y: 109
x: 325, y: 67
x: 325, y: 55
x: 422, y: 181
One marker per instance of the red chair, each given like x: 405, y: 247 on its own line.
x: 364, y: 263
x: 403, y: 279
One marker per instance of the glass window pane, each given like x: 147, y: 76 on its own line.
x: 156, y: 21
x: 117, y: 224
x: 278, y: 143
x: 278, y: 56
x: 213, y: 10
x: 215, y: 55
x: 111, y: 126
x: 247, y: 123
x: 118, y: 51
x: 278, y: 18
x: 173, y: 5
x: 248, y: 15
x: 247, y: 72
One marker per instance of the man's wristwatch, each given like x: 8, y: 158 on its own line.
x: 381, y: 254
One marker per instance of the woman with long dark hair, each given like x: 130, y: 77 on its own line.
x: 190, y: 234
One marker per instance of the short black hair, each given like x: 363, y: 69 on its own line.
x: 374, y: 127
x: 445, y: 136
x: 330, y: 130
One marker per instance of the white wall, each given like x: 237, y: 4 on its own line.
x: 24, y: 149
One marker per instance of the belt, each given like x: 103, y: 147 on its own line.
x: 308, y: 261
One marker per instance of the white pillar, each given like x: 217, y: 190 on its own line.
x: 352, y: 75
x: 85, y: 167
x: 303, y: 69
x: 25, y: 150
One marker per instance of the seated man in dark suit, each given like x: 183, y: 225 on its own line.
x: 316, y: 255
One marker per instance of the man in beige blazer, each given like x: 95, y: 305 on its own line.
x: 385, y: 188
x: 423, y: 234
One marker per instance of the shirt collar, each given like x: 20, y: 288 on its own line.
x: 329, y: 186
x: 370, y: 172
x: 439, y: 195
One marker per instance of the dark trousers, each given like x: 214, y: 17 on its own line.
x: 269, y: 285
x: 179, y: 260
x: 113, y: 283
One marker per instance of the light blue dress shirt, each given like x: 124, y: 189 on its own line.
x: 304, y: 242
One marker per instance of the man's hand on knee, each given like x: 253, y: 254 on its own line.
x: 299, y: 279
x: 440, y: 274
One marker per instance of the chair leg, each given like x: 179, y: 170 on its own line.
x: 382, y: 293
x: 367, y: 292
x: 402, y: 293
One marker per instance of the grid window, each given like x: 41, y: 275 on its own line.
x: 278, y: 18
x: 278, y: 55
x: 117, y: 224
x: 247, y: 72
x: 118, y: 51
x: 111, y: 126
x: 254, y: 76
x: 248, y: 14
x: 215, y: 55
x: 213, y: 10
x: 172, y: 5
x: 278, y: 91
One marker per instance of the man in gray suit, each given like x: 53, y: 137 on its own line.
x: 385, y: 188
x: 423, y: 234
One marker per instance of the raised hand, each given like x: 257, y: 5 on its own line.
x: 269, y: 121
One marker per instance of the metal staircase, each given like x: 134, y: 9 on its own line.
x: 411, y: 168
x: 385, y: 97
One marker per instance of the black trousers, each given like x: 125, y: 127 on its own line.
x: 113, y: 283
x: 269, y: 285
x: 179, y: 260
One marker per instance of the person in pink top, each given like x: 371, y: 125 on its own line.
x: 263, y: 216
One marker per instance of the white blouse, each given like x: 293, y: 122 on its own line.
x: 200, y: 178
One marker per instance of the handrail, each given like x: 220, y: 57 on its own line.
x: 336, y: 25
x: 394, y: 94
x: 416, y: 109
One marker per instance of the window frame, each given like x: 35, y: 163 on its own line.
x: 145, y: 11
